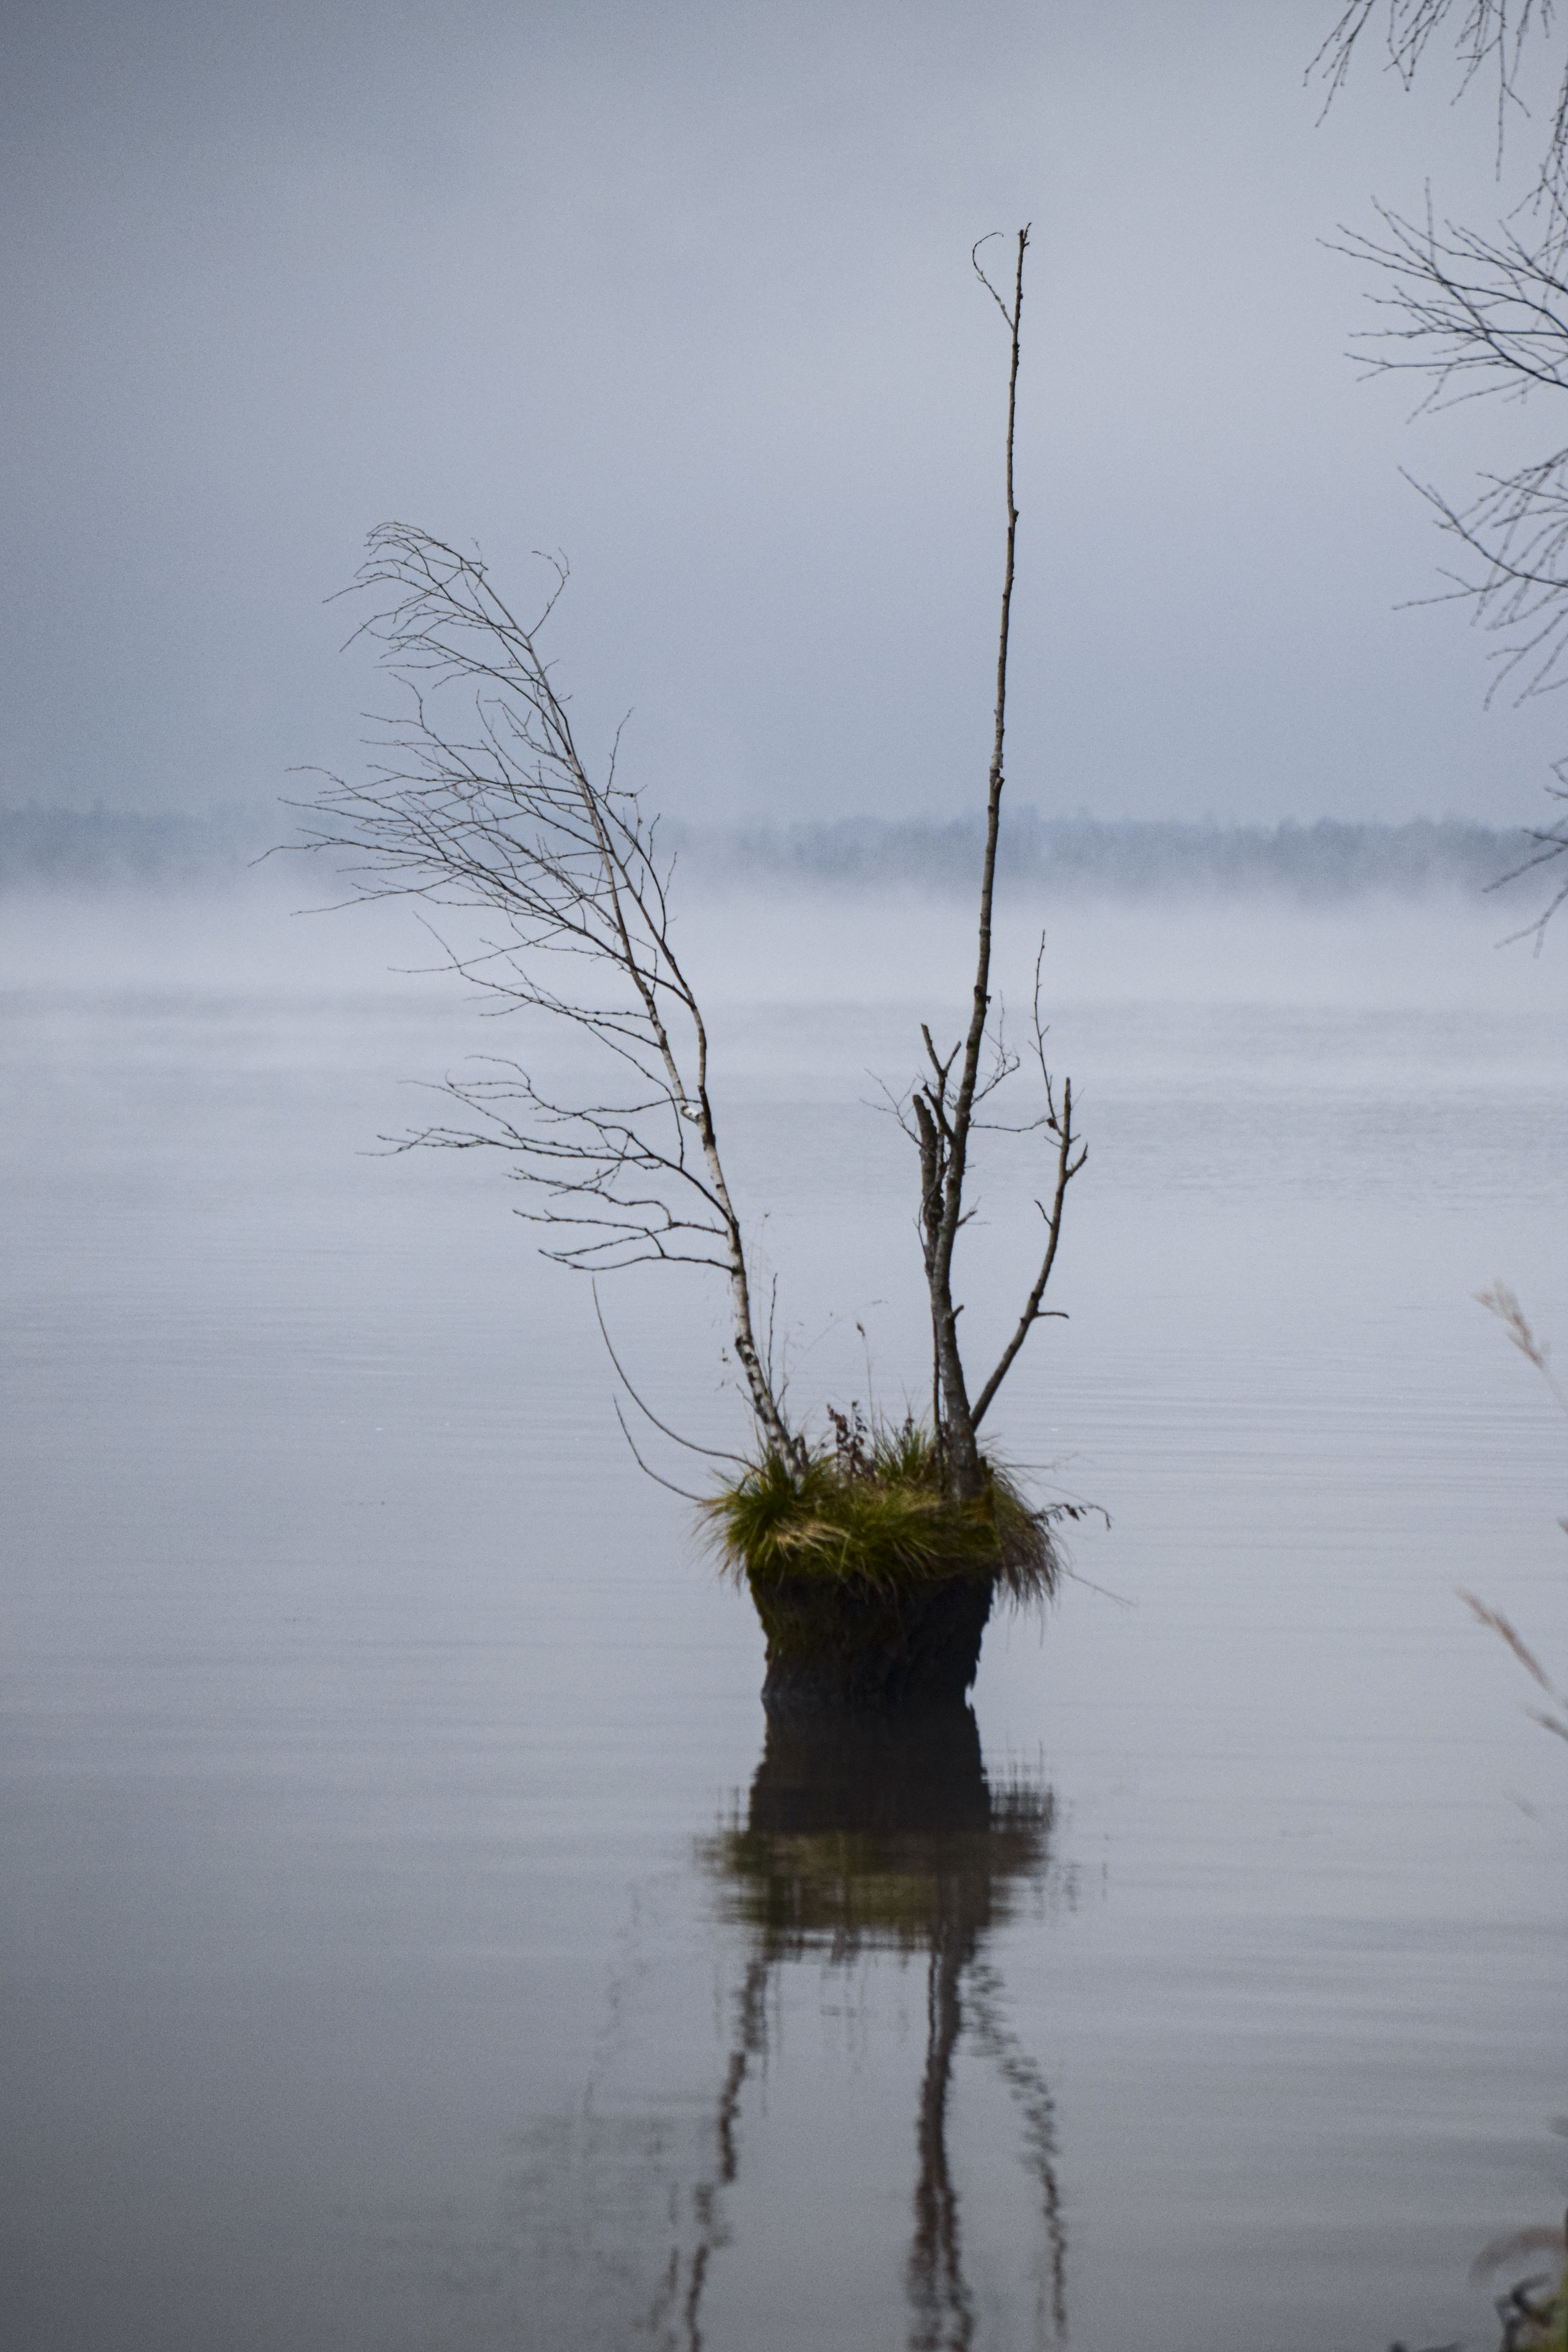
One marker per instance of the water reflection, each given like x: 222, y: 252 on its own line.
x: 863, y: 1836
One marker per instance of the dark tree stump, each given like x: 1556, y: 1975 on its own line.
x: 836, y: 1642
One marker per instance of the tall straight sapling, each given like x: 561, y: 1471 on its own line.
x: 875, y: 1550
x: 944, y: 1116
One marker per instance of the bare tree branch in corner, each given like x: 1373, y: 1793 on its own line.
x: 1478, y: 318
x: 1491, y: 38
x: 504, y: 822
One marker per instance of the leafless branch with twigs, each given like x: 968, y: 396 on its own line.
x: 1481, y: 315
x: 1490, y: 38
x: 563, y: 869
x: 1480, y: 318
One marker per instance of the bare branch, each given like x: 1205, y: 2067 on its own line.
x: 1491, y: 38
x: 1067, y: 1168
x: 684, y: 1492
x: 714, y: 1453
x: 1477, y: 318
x: 1550, y: 844
x: 502, y: 820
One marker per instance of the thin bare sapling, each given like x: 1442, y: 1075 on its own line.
x: 941, y: 1108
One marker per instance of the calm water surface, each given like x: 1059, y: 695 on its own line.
x: 412, y: 1937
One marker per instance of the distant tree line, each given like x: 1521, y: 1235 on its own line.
x: 1083, y: 856
x: 107, y: 847
x: 1078, y: 856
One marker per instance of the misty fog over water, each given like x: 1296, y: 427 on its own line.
x: 1048, y: 859
x: 395, y: 1861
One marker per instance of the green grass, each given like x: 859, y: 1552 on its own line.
x: 1539, y: 2322
x: 871, y: 1511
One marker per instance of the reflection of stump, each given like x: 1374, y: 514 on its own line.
x: 869, y: 1832
x: 837, y: 1642
x: 875, y: 1829
x: 871, y: 1775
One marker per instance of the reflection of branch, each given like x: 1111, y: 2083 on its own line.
x: 1032, y: 2091
x: 944, y: 2312
x: 710, y: 2230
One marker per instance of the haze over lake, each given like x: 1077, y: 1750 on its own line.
x: 407, y: 1942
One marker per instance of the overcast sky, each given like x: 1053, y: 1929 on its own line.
x: 685, y: 292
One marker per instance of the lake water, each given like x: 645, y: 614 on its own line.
x: 410, y: 1938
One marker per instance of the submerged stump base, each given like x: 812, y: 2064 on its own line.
x: 843, y: 1642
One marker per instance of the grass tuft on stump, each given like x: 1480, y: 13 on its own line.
x: 871, y: 1511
